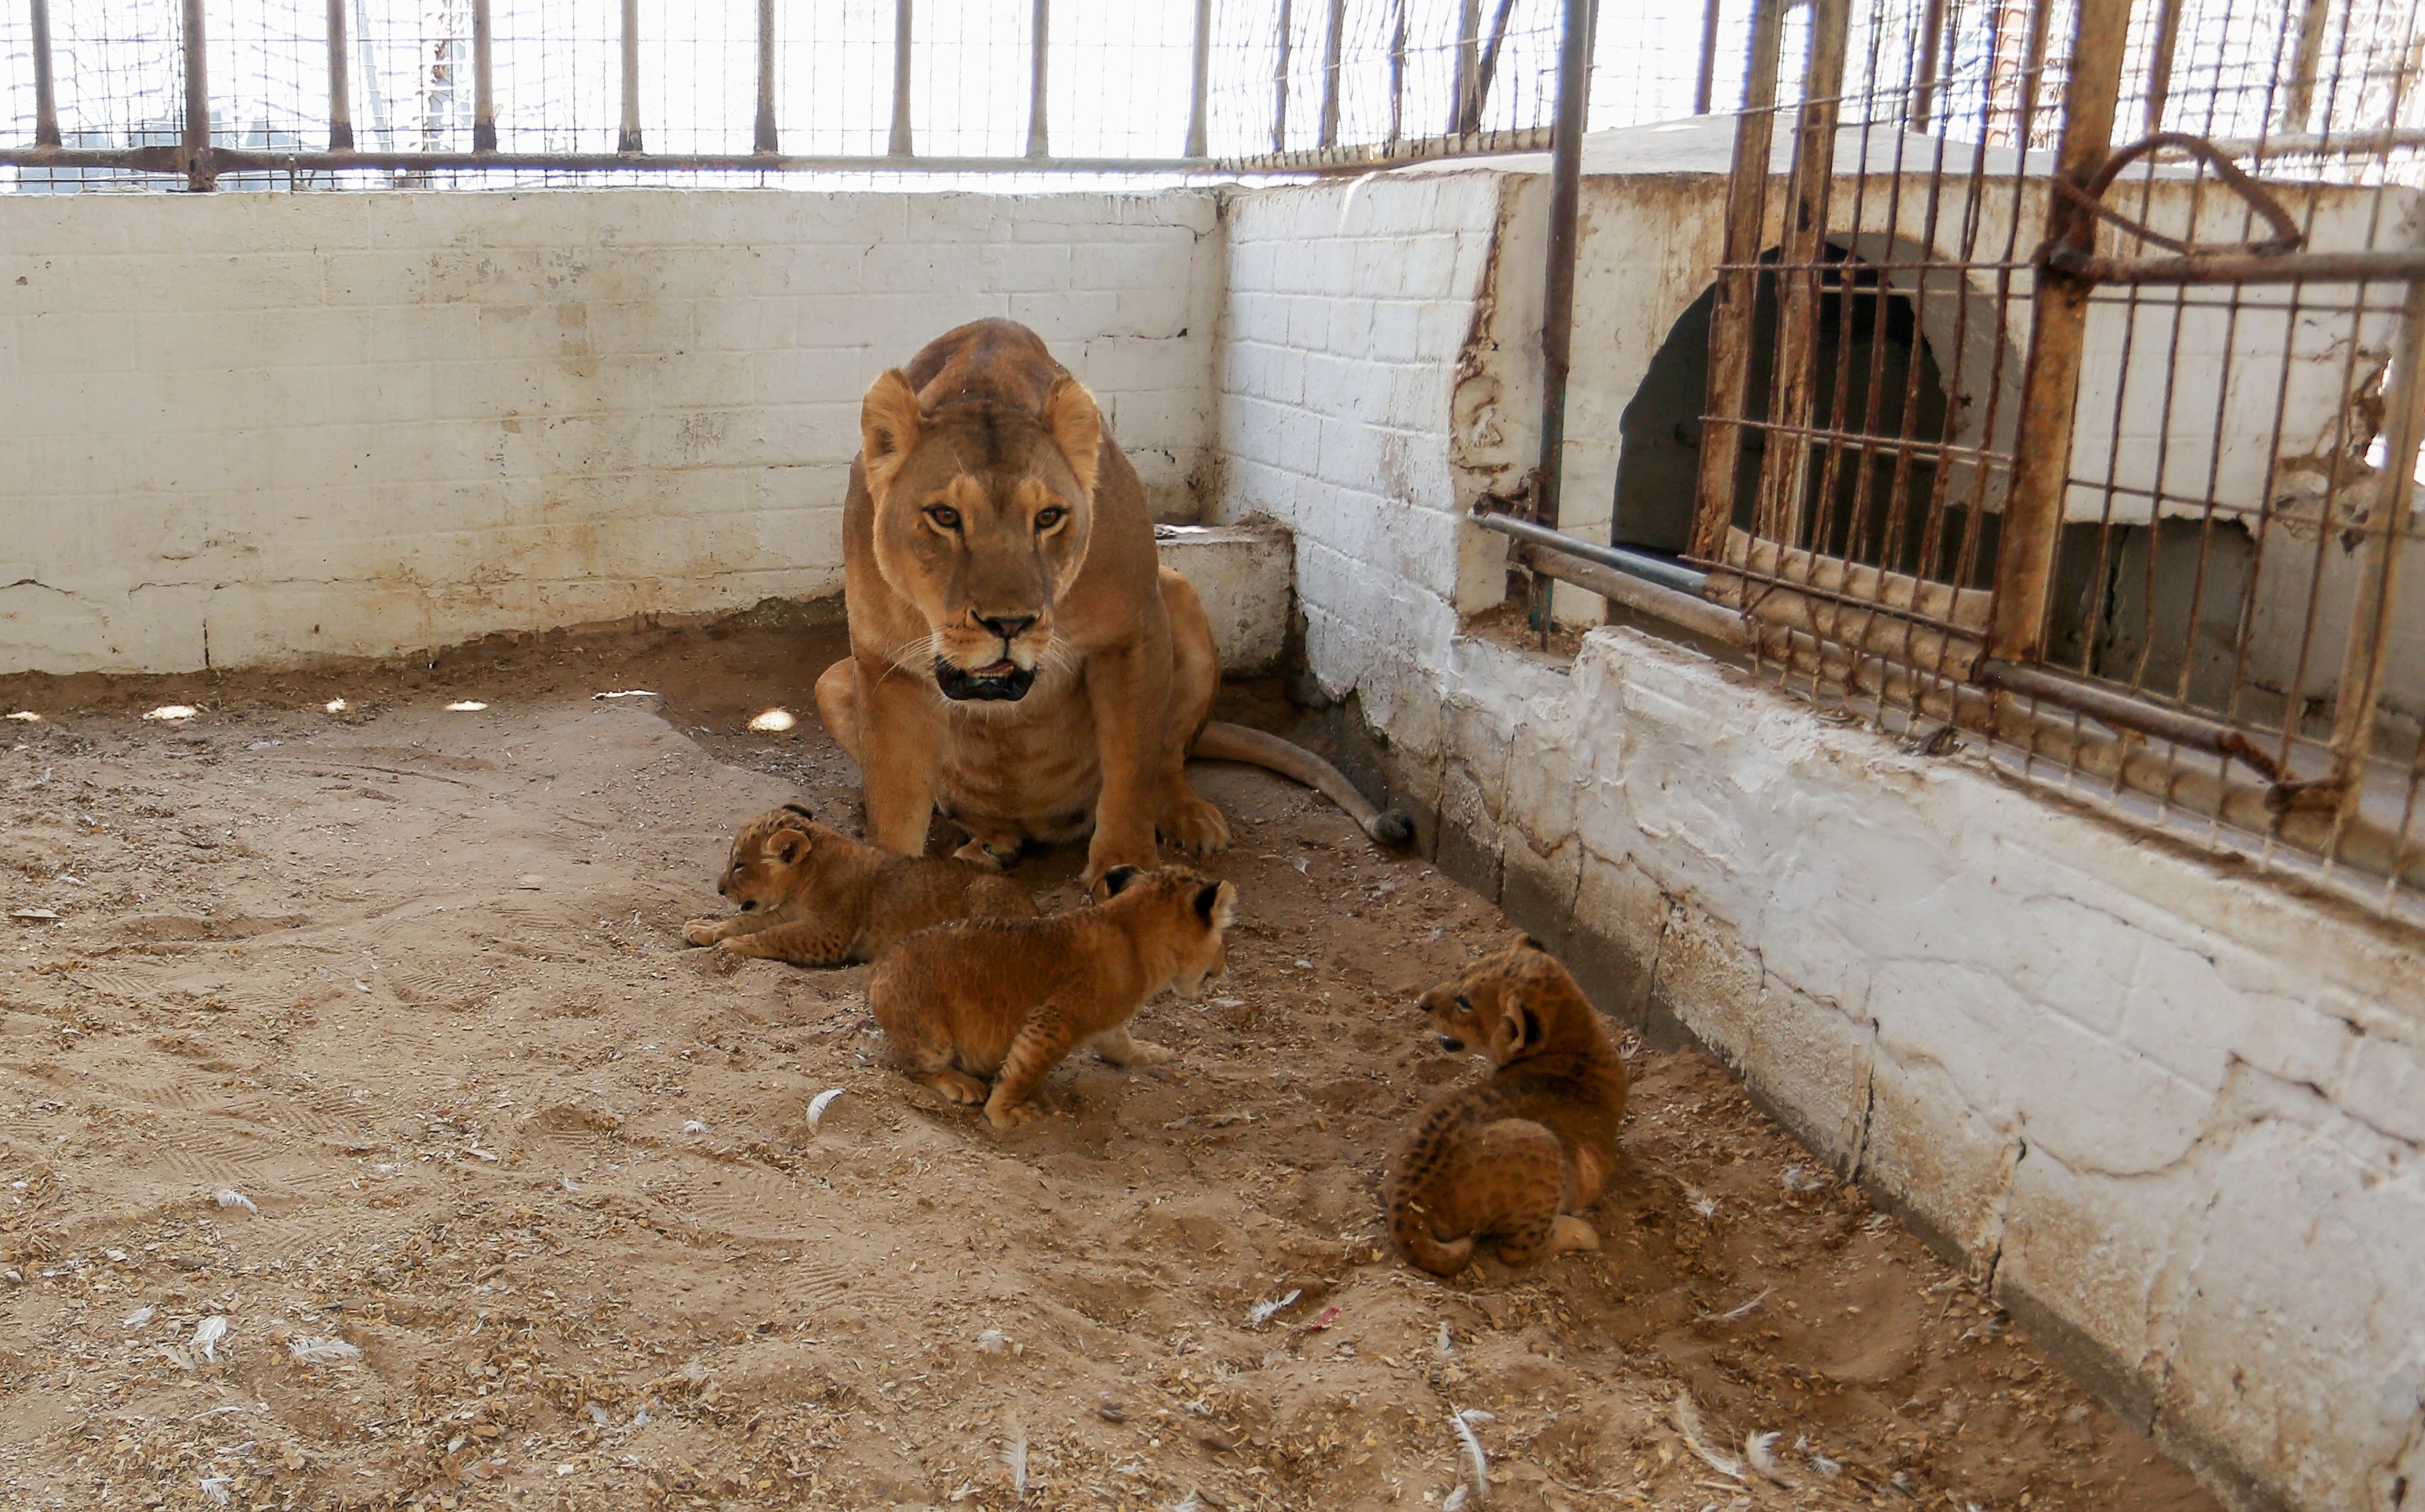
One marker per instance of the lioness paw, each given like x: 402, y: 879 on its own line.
x: 1006, y: 1117
x: 1146, y: 1053
x: 1194, y: 823
x: 1570, y: 1233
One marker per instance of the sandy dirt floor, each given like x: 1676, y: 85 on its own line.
x: 368, y: 1037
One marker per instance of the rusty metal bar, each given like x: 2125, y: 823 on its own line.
x: 1039, y: 49
x: 1784, y: 475
x: 198, y: 100
x: 628, y: 139
x: 1334, y: 39
x: 1932, y: 41
x: 2299, y: 100
x: 2160, y: 62
x: 2120, y: 711
x: 2242, y: 268
x: 2362, y: 660
x: 1200, y: 80
x: 763, y: 137
x: 1468, y: 61
x: 2375, y: 143
x: 484, y: 75
x: 219, y: 160
x: 1737, y: 284
x: 340, y: 105
x: 900, y: 143
x: 1486, y: 72
x: 46, y: 105
x: 1698, y: 615
x: 1280, y: 78
x: 1640, y: 565
x: 1705, y: 77
x: 1558, y: 293
x: 2058, y: 323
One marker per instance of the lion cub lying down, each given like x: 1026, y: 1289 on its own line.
x: 1506, y: 1158
x: 965, y: 1001
x: 814, y: 897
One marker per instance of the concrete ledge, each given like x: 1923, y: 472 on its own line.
x: 1246, y: 575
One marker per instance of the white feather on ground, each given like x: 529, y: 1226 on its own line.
x: 1014, y: 1456
x: 818, y: 1104
x: 1688, y: 1423
x: 1262, y: 1312
x: 207, y: 1335
x: 1477, y: 1464
x: 230, y: 1197
x: 323, y: 1351
x: 1759, y: 1452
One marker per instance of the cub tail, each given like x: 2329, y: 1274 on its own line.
x: 1222, y: 741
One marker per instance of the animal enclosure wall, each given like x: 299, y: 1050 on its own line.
x: 257, y: 428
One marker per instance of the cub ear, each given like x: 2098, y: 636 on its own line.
x: 1118, y: 879
x: 801, y: 809
x: 1077, y: 429
x: 1215, y: 903
x: 1523, y: 1025
x: 790, y: 844
x: 890, y: 420
x: 1525, y: 942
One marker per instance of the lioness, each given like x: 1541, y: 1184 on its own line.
x: 1019, y: 658
x: 1010, y: 998
x: 814, y: 897
x: 1511, y: 1157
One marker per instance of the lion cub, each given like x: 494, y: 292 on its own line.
x: 814, y: 897
x: 965, y: 1001
x: 1506, y: 1158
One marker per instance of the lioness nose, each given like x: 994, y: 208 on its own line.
x: 1006, y: 626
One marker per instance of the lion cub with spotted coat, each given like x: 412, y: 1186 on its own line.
x: 1507, y: 1159
x: 814, y: 897
x: 1007, y: 998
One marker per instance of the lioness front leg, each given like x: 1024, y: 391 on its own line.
x: 1128, y: 690
x: 1186, y: 818
x: 901, y: 743
x: 1116, y: 1048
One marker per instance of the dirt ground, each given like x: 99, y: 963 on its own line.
x: 374, y: 1027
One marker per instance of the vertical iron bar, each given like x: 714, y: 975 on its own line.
x: 340, y: 103
x: 1705, y: 81
x: 1398, y: 72
x: 1737, y: 284
x: 901, y: 144
x: 1280, y: 79
x: 2299, y: 102
x: 1486, y: 72
x: 1785, y: 469
x: 484, y: 76
x: 1558, y: 297
x: 46, y: 105
x: 198, y: 174
x: 1039, y: 52
x: 1199, y: 86
x: 2165, y: 44
x: 2058, y: 321
x: 628, y: 140
x: 764, y: 139
x: 1333, y: 43
x: 1932, y: 39
x: 2378, y: 573
x: 1468, y: 61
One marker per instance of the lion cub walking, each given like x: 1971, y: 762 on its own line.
x: 814, y: 897
x: 1507, y: 1158
x: 965, y: 1001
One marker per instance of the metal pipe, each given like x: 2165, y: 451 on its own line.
x: 2058, y: 324
x: 2120, y: 711
x: 1039, y: 50
x: 1280, y: 79
x: 46, y: 105
x: 1468, y: 61
x: 2241, y: 267
x: 2160, y: 62
x: 1641, y: 566
x: 1333, y: 41
x: 1397, y: 72
x: 1932, y: 41
x: 1199, y: 83
x: 2299, y: 100
x: 231, y: 160
x: 1487, y: 70
x: 900, y: 143
x: 1558, y: 293
x: 198, y: 100
x: 1698, y: 615
x: 340, y: 103
x: 764, y: 138
x: 628, y: 140
x: 1737, y: 291
x: 1705, y: 81
x: 484, y: 76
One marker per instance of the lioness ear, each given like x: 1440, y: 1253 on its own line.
x: 1118, y: 878
x: 1215, y: 902
x: 1077, y: 428
x: 888, y: 424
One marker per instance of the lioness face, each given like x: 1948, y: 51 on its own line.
x: 1484, y: 1008
x: 767, y: 857
x: 982, y: 519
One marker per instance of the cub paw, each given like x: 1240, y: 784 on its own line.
x: 702, y: 932
x: 958, y: 1087
x: 1569, y: 1233
x: 1006, y: 1117
x: 1194, y: 823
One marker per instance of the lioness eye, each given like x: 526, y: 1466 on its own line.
x: 1049, y: 517
x: 944, y: 517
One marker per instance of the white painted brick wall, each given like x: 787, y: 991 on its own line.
x: 2177, y: 1114
x: 256, y: 428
